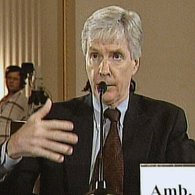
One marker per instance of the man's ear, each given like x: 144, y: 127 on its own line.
x: 136, y: 66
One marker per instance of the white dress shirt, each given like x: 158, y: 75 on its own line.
x: 7, y: 163
x: 96, y: 131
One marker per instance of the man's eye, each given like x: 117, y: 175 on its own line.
x: 117, y: 56
x: 94, y: 56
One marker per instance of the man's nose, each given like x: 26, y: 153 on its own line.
x: 104, y: 68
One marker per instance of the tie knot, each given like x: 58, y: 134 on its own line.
x: 112, y: 114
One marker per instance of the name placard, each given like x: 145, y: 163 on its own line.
x: 167, y: 179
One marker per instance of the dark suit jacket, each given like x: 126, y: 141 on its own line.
x: 154, y: 132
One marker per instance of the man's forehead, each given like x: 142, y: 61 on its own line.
x: 111, y: 44
x: 13, y: 74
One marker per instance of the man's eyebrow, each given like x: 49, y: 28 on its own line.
x: 111, y: 50
x: 117, y: 50
x: 93, y: 49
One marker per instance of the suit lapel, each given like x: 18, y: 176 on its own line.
x: 137, y: 137
x: 137, y: 133
x: 78, y: 165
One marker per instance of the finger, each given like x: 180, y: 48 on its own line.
x: 43, y: 111
x: 61, y: 136
x: 58, y: 124
x: 54, y: 151
x: 48, y: 154
x: 57, y: 147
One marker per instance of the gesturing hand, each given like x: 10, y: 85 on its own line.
x: 51, y: 139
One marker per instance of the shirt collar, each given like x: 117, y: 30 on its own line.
x: 122, y: 107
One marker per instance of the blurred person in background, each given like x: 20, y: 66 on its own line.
x: 14, y: 105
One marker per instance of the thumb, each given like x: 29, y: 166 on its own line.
x: 43, y: 111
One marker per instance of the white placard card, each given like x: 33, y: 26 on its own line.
x: 167, y: 179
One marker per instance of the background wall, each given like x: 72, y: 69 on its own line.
x: 32, y: 31
x: 167, y: 68
x: 19, y: 34
x: 51, y: 21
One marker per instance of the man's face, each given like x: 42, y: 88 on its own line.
x: 111, y: 63
x: 13, y: 82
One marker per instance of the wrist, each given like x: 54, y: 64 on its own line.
x: 9, y: 149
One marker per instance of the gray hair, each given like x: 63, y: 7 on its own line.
x: 112, y: 23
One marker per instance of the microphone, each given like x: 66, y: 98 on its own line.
x: 102, y: 87
x: 100, y: 185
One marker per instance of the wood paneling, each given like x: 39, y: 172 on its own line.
x: 69, y: 50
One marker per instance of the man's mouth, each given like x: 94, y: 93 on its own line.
x: 110, y: 85
x: 107, y: 84
x: 103, y: 87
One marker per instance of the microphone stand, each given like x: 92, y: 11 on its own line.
x: 100, y: 185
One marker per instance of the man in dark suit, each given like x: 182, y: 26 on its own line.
x: 151, y: 131
x: 146, y: 139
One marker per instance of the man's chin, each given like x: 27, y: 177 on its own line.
x: 13, y: 90
x: 109, y: 99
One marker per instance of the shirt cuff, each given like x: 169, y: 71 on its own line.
x: 7, y: 162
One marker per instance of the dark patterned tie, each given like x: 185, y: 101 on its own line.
x: 112, y: 155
